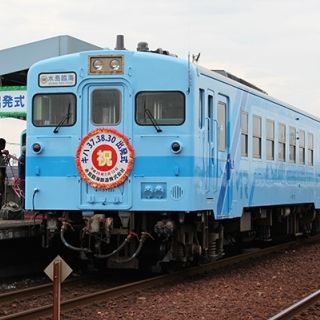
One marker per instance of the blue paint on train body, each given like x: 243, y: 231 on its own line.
x: 223, y: 165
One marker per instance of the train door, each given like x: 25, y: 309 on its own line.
x: 106, y: 136
x: 224, y: 162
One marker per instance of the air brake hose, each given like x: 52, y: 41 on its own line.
x: 64, y: 227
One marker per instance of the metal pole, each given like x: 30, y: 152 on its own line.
x: 56, y: 289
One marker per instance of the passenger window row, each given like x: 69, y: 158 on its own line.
x: 298, y: 150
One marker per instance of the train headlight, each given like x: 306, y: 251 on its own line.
x: 115, y: 64
x: 112, y: 64
x: 97, y: 65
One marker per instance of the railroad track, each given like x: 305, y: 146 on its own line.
x: 22, y: 293
x: 296, y: 308
x: 37, y: 290
x: 157, y: 281
x: 42, y: 294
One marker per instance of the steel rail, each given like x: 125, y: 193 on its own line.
x: 157, y: 281
x: 36, y: 290
x: 17, y: 294
x: 297, y: 307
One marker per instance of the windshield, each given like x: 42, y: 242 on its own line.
x: 165, y: 108
x: 105, y: 107
x: 54, y: 109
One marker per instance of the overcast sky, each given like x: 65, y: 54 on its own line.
x: 275, y: 44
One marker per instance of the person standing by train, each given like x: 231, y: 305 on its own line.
x: 22, y: 172
x: 3, y: 164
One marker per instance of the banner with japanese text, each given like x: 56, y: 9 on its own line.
x: 13, y: 101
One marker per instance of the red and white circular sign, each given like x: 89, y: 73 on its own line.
x: 104, y: 158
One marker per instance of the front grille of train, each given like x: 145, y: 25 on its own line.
x: 176, y: 192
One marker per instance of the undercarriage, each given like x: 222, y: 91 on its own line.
x: 165, y: 240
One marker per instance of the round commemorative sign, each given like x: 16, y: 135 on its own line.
x: 104, y: 158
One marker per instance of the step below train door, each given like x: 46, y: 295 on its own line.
x: 105, y: 155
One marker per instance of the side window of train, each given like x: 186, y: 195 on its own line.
x: 210, y: 117
x: 292, y: 144
x: 302, y: 147
x: 310, y: 149
x: 105, y: 107
x: 282, y: 142
x: 256, y: 147
x: 163, y: 107
x: 201, y: 108
x: 270, y: 139
x: 244, y: 134
x: 49, y: 110
x: 222, y: 121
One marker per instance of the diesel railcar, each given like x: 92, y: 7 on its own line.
x: 140, y: 158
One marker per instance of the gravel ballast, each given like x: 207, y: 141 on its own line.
x: 253, y: 290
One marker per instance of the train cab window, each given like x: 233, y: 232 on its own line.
x: 282, y: 142
x: 270, y: 139
x: 302, y: 147
x: 244, y: 134
x: 222, y: 125
x: 105, y: 107
x: 292, y: 144
x: 256, y: 137
x: 160, y: 108
x: 50, y: 110
x: 310, y: 149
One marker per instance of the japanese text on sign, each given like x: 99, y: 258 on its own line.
x: 13, y: 100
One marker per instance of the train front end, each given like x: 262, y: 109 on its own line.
x: 110, y: 155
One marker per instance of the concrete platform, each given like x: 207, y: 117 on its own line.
x: 14, y: 229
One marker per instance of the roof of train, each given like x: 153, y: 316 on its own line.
x: 220, y: 76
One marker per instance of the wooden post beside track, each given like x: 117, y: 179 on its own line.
x: 57, y: 271
x: 56, y: 289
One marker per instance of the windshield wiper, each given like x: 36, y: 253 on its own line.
x: 66, y: 118
x: 152, y: 119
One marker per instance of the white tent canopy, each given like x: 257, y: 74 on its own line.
x: 10, y: 130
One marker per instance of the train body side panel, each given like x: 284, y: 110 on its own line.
x: 250, y: 181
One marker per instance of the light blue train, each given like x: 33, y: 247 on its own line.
x: 139, y: 158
